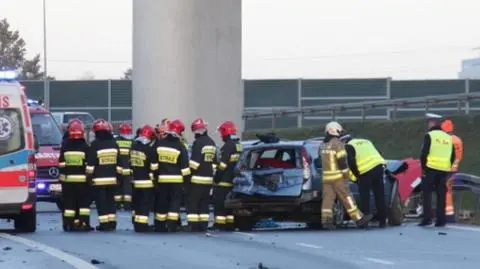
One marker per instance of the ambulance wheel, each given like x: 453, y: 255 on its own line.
x: 59, y: 203
x: 26, y: 222
x: 395, y: 212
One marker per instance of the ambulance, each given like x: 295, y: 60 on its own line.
x: 17, y: 155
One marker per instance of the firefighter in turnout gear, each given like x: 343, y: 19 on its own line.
x: 437, y: 157
x: 75, y: 189
x: 103, y: 166
x: 170, y: 169
x: 140, y: 162
x: 367, y: 165
x: 335, y: 178
x: 123, y: 197
x: 229, y: 155
x: 202, y: 161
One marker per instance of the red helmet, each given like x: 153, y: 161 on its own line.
x: 198, y: 124
x: 76, y: 129
x: 227, y: 128
x: 176, y: 126
x: 101, y: 125
x: 125, y: 129
x: 147, y: 131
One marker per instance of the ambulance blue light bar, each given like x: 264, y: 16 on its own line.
x: 8, y: 75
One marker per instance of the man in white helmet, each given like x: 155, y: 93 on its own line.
x: 335, y: 178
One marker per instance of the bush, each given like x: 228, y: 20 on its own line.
x: 398, y: 139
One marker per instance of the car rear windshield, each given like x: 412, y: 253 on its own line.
x: 12, y: 136
x: 281, y: 157
x: 46, y: 130
x: 87, y: 119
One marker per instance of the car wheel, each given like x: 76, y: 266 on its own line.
x: 245, y: 223
x: 338, y: 213
x: 395, y: 212
x: 59, y: 203
x: 26, y: 221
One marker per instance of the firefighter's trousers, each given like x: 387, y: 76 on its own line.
x: 449, y: 203
x: 197, y: 206
x: 168, y: 198
x: 373, y: 181
x: 123, y: 195
x: 434, y: 180
x: 340, y: 189
x: 142, y: 196
x: 223, y: 217
x: 106, y: 207
x: 76, y: 203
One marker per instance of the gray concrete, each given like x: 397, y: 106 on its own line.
x: 401, y: 247
x: 187, y: 61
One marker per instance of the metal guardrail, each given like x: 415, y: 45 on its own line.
x: 460, y: 98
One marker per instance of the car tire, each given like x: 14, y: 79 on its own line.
x: 59, y: 203
x: 395, y: 211
x: 245, y: 223
x: 26, y: 221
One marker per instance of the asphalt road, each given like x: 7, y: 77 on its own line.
x: 400, y: 247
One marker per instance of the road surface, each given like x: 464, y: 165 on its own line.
x: 407, y: 246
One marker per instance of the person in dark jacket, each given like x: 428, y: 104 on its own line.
x: 123, y: 197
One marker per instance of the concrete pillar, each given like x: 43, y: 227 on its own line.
x: 187, y: 61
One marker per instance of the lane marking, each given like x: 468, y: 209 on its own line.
x: 471, y: 229
x: 56, y: 253
x: 300, y: 244
x: 379, y: 261
x: 246, y: 234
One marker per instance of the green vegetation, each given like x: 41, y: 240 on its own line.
x: 400, y: 138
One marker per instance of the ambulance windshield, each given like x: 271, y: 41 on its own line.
x: 46, y: 130
x: 11, y: 131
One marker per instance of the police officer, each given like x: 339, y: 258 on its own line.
x: 140, y: 162
x: 437, y: 157
x: 367, y: 165
x: 75, y: 190
x: 123, y: 197
x: 335, y: 178
x: 170, y: 169
x: 202, y: 161
x: 104, y: 166
x: 229, y: 155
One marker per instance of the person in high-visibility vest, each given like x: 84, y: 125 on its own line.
x: 447, y: 126
x: 437, y: 157
x: 367, y: 165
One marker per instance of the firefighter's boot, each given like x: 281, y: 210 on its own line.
x: 363, y: 222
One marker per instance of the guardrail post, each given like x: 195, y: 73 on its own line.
x: 363, y: 114
x: 273, y: 121
x: 109, y: 100
x: 467, y: 91
x: 299, y: 104
x: 334, y: 114
x: 394, y: 112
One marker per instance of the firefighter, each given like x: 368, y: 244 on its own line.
x: 161, y: 128
x: 229, y: 155
x: 104, y: 167
x: 75, y: 190
x: 437, y: 157
x: 123, y: 197
x: 202, y: 161
x: 368, y: 166
x: 335, y: 178
x: 170, y: 169
x: 447, y: 126
x: 140, y: 161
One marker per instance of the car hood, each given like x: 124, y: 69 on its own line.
x: 47, y: 156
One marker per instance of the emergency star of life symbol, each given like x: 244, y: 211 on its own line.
x: 53, y: 172
x: 6, y: 128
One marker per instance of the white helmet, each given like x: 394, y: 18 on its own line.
x: 333, y: 128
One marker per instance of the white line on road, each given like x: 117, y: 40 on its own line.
x: 72, y: 260
x: 308, y: 245
x: 379, y: 261
x: 464, y: 228
x: 246, y: 234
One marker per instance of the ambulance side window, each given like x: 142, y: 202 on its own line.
x: 12, y: 133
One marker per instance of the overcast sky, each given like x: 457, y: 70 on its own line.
x: 404, y: 39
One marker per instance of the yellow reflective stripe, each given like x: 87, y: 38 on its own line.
x: 61, y: 164
x: 124, y: 151
x: 150, y: 175
x: 161, y: 217
x: 193, y: 218
x: 107, y: 151
x: 204, y: 217
x: 126, y: 172
x: 221, y: 220
x: 225, y: 184
x: 172, y: 216
x: 119, y: 169
x: 61, y: 177
x: 170, y: 179
x: 168, y: 149
x: 103, y: 218
x: 341, y: 154
x: 186, y: 171
x: 140, y: 184
x: 141, y: 219
x: 112, y: 217
x: 154, y: 166
x: 222, y: 166
x: 75, y: 178
x: 89, y: 169
x: 99, y: 181
x: 69, y: 213
x: 193, y: 164
x: 335, y: 176
x: 75, y: 153
x: 127, y: 198
x: 214, y: 166
x: 230, y: 219
x: 234, y: 157
x: 84, y: 211
x: 202, y: 180
x: 117, y: 198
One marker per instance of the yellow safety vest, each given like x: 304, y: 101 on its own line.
x: 441, y: 147
x: 366, y: 155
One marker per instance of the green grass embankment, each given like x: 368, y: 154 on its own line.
x: 398, y: 139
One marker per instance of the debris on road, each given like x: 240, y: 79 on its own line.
x: 442, y: 233
x: 7, y: 248
x: 95, y: 261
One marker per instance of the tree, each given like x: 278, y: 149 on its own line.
x: 128, y: 74
x: 13, y: 54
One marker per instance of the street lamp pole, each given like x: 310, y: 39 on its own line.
x: 46, y: 90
